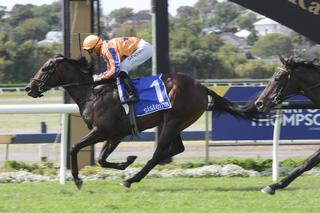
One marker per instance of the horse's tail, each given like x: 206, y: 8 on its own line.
x: 220, y: 105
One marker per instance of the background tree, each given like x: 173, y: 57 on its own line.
x: 245, y: 20
x: 187, y: 12
x: 33, y: 28
x: 205, y: 8
x: 256, y: 69
x: 120, y: 15
x: 20, y: 13
x: 273, y: 45
x: 226, y: 12
x: 2, y: 12
x: 231, y: 57
x: 312, y: 53
x: 252, y: 38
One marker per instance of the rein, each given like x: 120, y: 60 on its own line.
x: 70, y: 84
x: 42, y: 82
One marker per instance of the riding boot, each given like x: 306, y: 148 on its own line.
x: 131, y: 91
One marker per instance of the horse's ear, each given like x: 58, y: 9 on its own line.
x: 59, y: 58
x: 283, y: 61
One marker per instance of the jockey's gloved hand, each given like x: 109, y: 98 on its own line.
x: 96, y: 78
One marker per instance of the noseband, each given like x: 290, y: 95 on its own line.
x: 277, y: 98
x: 48, y: 71
x: 47, y: 74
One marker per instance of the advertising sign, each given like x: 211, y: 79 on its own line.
x: 296, y: 123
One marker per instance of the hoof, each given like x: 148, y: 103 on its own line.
x: 78, y: 183
x: 126, y: 184
x: 268, y: 190
x: 131, y: 159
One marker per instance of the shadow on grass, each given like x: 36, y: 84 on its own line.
x: 223, y: 189
x: 217, y: 189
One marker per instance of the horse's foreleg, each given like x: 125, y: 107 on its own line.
x: 108, y: 147
x: 91, y: 138
x: 308, y: 164
x: 162, y: 152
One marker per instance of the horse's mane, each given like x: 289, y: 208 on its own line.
x: 81, y: 62
x: 313, y: 64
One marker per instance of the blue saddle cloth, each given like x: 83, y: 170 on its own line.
x: 152, y: 95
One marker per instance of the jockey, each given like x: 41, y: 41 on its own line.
x: 121, y: 55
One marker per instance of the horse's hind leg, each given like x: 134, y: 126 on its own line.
x: 168, y: 135
x: 308, y: 164
x: 108, y: 147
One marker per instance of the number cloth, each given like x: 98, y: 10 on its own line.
x: 152, y: 95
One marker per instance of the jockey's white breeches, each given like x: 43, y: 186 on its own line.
x: 140, y: 55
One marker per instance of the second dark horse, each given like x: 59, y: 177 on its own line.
x: 106, y: 118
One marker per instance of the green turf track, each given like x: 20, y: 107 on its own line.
x: 162, y: 195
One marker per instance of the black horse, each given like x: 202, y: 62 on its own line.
x: 103, y: 113
x: 293, y: 78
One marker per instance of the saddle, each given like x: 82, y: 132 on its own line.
x: 152, y: 93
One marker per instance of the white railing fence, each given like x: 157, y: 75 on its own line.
x: 64, y: 109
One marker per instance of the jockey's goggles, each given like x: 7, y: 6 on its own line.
x: 92, y: 49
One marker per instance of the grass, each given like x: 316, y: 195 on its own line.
x: 162, y: 195
x: 29, y: 122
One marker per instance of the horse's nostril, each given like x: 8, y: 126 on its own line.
x: 259, y: 104
x: 27, y: 89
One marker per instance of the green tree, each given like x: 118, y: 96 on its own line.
x: 2, y: 12
x: 187, y: 12
x: 210, y: 42
x: 34, y: 29
x: 51, y: 14
x: 256, y: 69
x: 120, y: 15
x: 125, y: 30
x: 226, y: 12
x: 313, y: 53
x: 252, y: 38
x: 181, y: 60
x: 145, y: 31
x: 20, y: 13
x: 206, y: 64
x: 273, y: 45
x: 182, y: 38
x: 205, y: 7
x: 231, y: 57
x: 245, y: 20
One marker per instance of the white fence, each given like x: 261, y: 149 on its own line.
x: 64, y: 109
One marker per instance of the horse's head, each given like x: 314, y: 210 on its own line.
x: 279, y: 88
x: 59, y: 71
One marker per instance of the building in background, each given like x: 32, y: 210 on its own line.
x: 266, y: 26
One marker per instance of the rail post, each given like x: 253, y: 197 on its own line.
x: 275, y: 147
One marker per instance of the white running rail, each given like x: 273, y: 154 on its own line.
x: 64, y: 109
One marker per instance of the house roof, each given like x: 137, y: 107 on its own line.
x: 265, y: 21
x: 243, y: 33
x: 230, y: 38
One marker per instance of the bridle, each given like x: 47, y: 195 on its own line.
x: 48, y: 71
x: 277, y: 98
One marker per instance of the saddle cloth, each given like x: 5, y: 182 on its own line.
x: 152, y: 95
